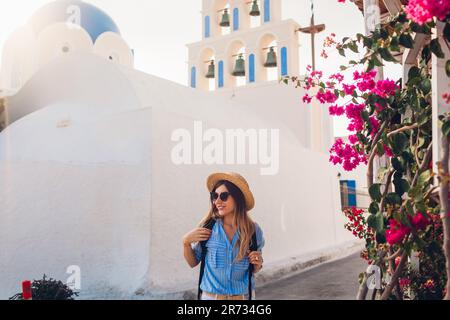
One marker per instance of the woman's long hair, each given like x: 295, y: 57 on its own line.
x: 242, y: 220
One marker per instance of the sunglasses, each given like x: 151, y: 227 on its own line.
x: 223, y: 196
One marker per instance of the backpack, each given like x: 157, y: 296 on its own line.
x: 253, y: 247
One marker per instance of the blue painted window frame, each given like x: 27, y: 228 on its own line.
x: 235, y: 19
x: 251, y: 68
x: 193, y: 77
x: 351, y: 185
x: 284, y: 61
x: 266, y: 10
x: 207, y: 27
x: 221, y: 69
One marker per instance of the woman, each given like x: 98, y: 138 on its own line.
x: 228, y: 257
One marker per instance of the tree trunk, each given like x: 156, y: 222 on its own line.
x: 445, y: 208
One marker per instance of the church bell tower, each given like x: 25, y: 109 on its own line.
x: 245, y: 42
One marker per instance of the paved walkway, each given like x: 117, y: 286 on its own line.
x: 337, y: 280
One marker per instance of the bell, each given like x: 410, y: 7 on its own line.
x: 211, y: 71
x: 225, y: 19
x: 255, y: 9
x: 271, y: 59
x: 239, y: 70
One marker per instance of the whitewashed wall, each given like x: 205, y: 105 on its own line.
x: 86, y: 179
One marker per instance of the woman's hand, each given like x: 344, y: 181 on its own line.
x: 196, y: 235
x: 256, y: 260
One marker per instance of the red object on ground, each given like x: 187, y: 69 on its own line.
x: 26, y: 290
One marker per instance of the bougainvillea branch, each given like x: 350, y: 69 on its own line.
x: 445, y: 206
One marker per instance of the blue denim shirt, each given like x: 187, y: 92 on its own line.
x: 223, y: 275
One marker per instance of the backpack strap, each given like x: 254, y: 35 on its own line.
x: 208, y: 225
x: 253, y: 247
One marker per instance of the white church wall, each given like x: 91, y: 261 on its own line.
x: 89, y: 178
x: 75, y: 177
x: 298, y: 208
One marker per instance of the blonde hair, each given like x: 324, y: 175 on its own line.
x: 242, y: 220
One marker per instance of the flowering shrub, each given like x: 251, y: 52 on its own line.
x: 391, y: 119
x: 423, y: 11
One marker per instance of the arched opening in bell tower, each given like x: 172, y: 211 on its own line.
x: 223, y: 16
x: 237, y: 61
x: 208, y: 70
x: 269, y: 55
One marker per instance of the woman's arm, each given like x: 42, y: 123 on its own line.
x: 196, y: 235
x: 189, y: 255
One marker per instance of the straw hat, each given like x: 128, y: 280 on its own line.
x: 238, y: 181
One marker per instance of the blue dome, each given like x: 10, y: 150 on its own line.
x: 93, y: 20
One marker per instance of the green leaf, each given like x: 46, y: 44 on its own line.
x: 341, y: 52
x: 435, y: 47
x: 375, y: 192
x: 447, y: 32
x: 374, y: 208
x: 398, y: 166
x: 406, y: 41
x: 380, y: 149
x: 401, y: 186
x: 413, y: 72
x: 368, y: 42
x: 376, y: 222
x: 386, y: 55
x: 353, y: 46
x: 399, y: 143
x: 415, y: 192
x: 380, y: 237
x: 423, y: 119
x: 424, y: 178
x: 446, y: 129
x: 393, y: 199
x: 425, y: 86
x: 409, y: 208
x: 447, y: 68
x: 426, y: 54
x: 377, y: 61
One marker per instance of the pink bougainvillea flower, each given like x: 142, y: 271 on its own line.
x: 420, y: 221
x: 348, y: 89
x: 338, y: 77
x: 404, y: 282
x: 423, y: 11
x: 446, y: 97
x: 326, y: 97
x: 318, y: 74
x: 347, y: 155
x: 387, y: 151
x: 353, y: 139
x: 375, y: 125
x: 396, y: 232
x: 307, y: 99
x: 353, y: 113
x: 384, y: 88
x: 336, y: 110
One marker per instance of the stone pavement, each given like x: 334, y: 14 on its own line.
x: 336, y: 280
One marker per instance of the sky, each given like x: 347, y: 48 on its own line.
x: 158, y: 31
